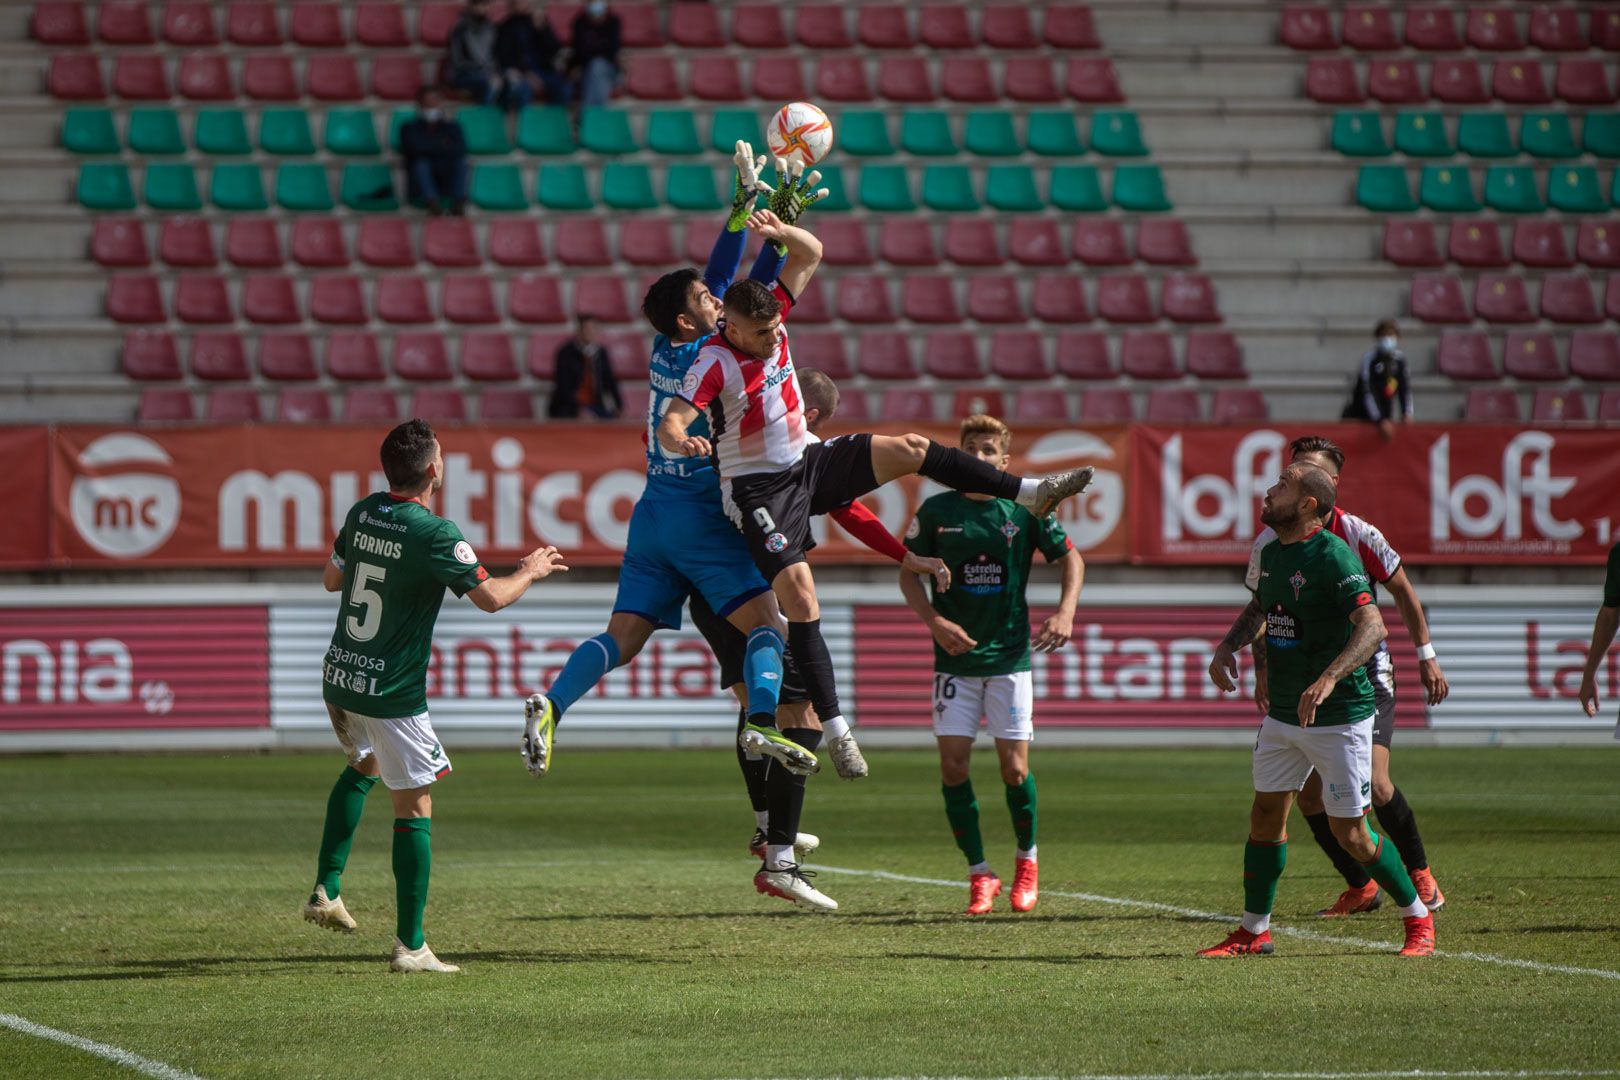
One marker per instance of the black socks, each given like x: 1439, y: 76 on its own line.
x: 784, y: 791
x: 815, y: 665
x: 962, y: 471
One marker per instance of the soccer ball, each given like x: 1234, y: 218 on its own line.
x: 799, y: 131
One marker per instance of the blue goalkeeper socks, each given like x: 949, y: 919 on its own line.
x: 585, y: 668
x: 762, y: 674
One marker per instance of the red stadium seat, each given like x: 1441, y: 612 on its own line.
x: 967, y: 79
x: 338, y: 299
x: 535, y: 298
x: 255, y: 243
x: 205, y: 77
x: 1370, y: 28
x: 907, y: 242
x: 1457, y: 81
x: 469, y: 299
x: 1007, y: 26
x: 186, y: 241
x: 140, y: 77
x: 812, y: 306
x: 381, y: 26
x: 1560, y: 405
x: 1189, y: 298
x: 886, y: 355
x: 843, y: 78
x: 977, y: 401
x: 1433, y: 28
x: 202, y: 299
x: 717, y: 77
x: 124, y: 22
x: 778, y: 79
x: 1608, y: 411
x: 439, y: 404
x: 1568, y: 298
x: 516, y: 242
x: 1041, y: 406
x: 883, y: 26
x: 1611, y: 297
x: 844, y: 239
x: 1540, y: 242
x: 862, y: 298
x: 1520, y: 82
x: 333, y: 78
x: 1395, y: 82
x: 1148, y: 354
x: 1594, y: 355
x: 1036, y: 242
x: 636, y: 398
x: 1107, y: 405
x: 952, y: 356
x: 269, y: 77
x: 401, y: 299
x: 353, y: 356
x: 640, y: 25
x: 135, y: 298
x: 1557, y: 29
x: 1438, y: 298
x: 1476, y: 242
x: 149, y: 355
x: 319, y: 242
x: 1605, y: 27
x: 1502, y: 298
x: 119, y: 242
x: 758, y: 26
x: 901, y: 403
x: 1092, y: 79
x: 1532, y: 356
x: 56, y: 23
x: 1124, y: 298
x: 164, y: 406
x: 1492, y: 405
x: 219, y: 357
x: 1494, y: 28
x: 699, y: 242
x: 1059, y: 298
x: 972, y: 242
x: 601, y: 295
x: 542, y: 355
x: 1465, y: 355
x: 233, y: 405
x: 1069, y: 26
x: 317, y: 26
x: 1583, y: 81
x: 1173, y: 405
x: 645, y: 241
x: 487, y: 357
x: 930, y: 298
x: 303, y: 405
x: 821, y: 26
x: 505, y: 405
x: 396, y: 78
x: 1019, y: 354
x: 1030, y: 80
x: 385, y: 242
x: 450, y: 241
x: 1308, y: 26
x: 1333, y: 80
x: 653, y: 78
x: 1163, y: 241
x: 271, y: 300
x: 1237, y: 405
x: 435, y: 20
x: 253, y: 24
x: 1598, y: 244
x: 1215, y: 354
x: 75, y: 77
x: 822, y: 352
x: 581, y: 241
x: 944, y: 26
x: 370, y: 405
x: 1411, y: 242
x: 1084, y: 356
x: 627, y: 355
x: 421, y: 357
x: 189, y: 24
x: 287, y: 358
x: 993, y: 298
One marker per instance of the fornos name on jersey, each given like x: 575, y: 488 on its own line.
x: 376, y: 545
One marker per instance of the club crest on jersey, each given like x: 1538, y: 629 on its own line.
x: 775, y: 543
x: 914, y: 529
x: 1298, y: 582
x: 1009, y: 530
x: 689, y: 384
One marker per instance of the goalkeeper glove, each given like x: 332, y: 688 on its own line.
x: 797, y: 193
x: 746, y: 190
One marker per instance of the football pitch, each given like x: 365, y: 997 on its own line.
x: 607, y: 925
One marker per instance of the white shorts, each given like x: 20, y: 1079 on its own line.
x: 408, y: 753
x: 1006, y: 704
x: 1285, y: 754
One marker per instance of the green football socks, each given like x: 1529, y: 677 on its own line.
x: 1021, y: 801
x: 962, y: 810
x: 343, y: 809
x: 1262, y: 865
x: 413, y: 860
x: 1386, y: 869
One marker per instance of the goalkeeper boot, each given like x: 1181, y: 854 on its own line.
x: 803, y: 844
x: 408, y: 961
x: 846, y: 757
x: 771, y: 743
x: 982, y: 892
x: 1242, y: 943
x: 1059, y: 486
x: 1355, y: 901
x: 1026, y: 888
x: 1419, y: 936
x: 539, y: 734
x: 1428, y: 890
x: 793, y: 884
x: 328, y: 913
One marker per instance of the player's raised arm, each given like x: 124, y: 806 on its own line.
x: 672, y: 434
x: 496, y: 593
x: 803, y: 249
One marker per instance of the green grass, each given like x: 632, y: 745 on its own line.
x: 607, y: 925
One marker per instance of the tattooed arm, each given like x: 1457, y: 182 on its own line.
x: 1262, y: 689
x: 1223, y: 669
x: 1364, y: 639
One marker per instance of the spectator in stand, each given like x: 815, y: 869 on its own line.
x: 435, y: 153
x: 594, y: 55
x: 585, y: 384
x: 471, y: 62
x: 1382, y: 382
x: 527, y: 49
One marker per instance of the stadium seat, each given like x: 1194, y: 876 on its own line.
x: 886, y: 188
x: 695, y: 26
x: 440, y: 404
x: 601, y: 131
x: 1567, y: 298
x: 272, y: 300
x: 926, y: 133
x: 1465, y: 355
x: 368, y: 186
x: 627, y: 186
x: 901, y: 403
x: 1611, y: 297
x: 1078, y: 189
x: 1083, y: 356
x: 140, y: 77
x: 991, y: 134
x: 1540, y: 242
x: 1173, y: 405
x: 1432, y: 28
x: 508, y: 404
x: 825, y: 353
x: 75, y: 77
x: 886, y: 355
x: 865, y: 133
x: 303, y: 405
x: 1560, y: 405
x: 154, y: 131
x: 370, y: 405
x: 498, y: 187
x: 1457, y: 81
x: 546, y: 130
x: 1007, y: 26
x: 900, y: 78
x: 812, y: 307
x: 269, y: 77
x: 303, y: 186
x: 1502, y: 298
x: 253, y: 24
x: 1030, y: 80
x: 990, y: 299
x: 1395, y: 82
x: 1124, y: 298
x: 164, y: 406
x: 124, y: 22
x: 843, y: 78
x: 1333, y: 80
x: 1093, y: 80
x: 931, y: 298
x: 205, y: 77
x: 1511, y: 189
x: 1576, y: 189
x: 562, y: 186
x: 1032, y: 405
x: 515, y: 242
x: 1520, y: 82
x: 483, y: 127
x: 54, y: 23
x: 1019, y: 355
x: 339, y: 300
x: 286, y: 358
x: 1596, y: 244
x: 450, y: 242
x: 1059, y: 298
x: 862, y: 298
x: 845, y: 241
x: 642, y: 24
x: 1485, y: 134
x: 1189, y: 298
x: 1107, y: 405
x: 396, y: 78
x: 1557, y: 29
x: 1448, y: 189
x: 468, y: 299
x: 883, y: 26
x: 1494, y: 28
x: 385, y: 242
x: 1237, y: 405
x: 603, y: 296
x: 1164, y: 242
x: 1038, y: 242
x: 1069, y: 26
x: 218, y: 357
x: 222, y: 132
x: 89, y: 131
x: 731, y: 125
x: 105, y: 186
x: 1438, y: 298
x: 1140, y: 188
x: 1594, y: 355
x: 1308, y: 27
x: 1148, y: 355
x: 778, y: 79
x: 582, y: 242
x: 1412, y: 242
x: 976, y: 400
x: 690, y: 186
x: 905, y: 242
x: 1547, y: 135
x: 333, y: 78
x: 1422, y: 134
x: 317, y: 26
x: 1215, y: 354
x: 149, y: 356
x: 1370, y: 28
x: 1600, y: 134
x: 535, y: 298
x: 952, y: 356
x: 758, y: 26
x: 1605, y: 27
x: 1359, y: 133
x: 171, y: 187
x: 434, y: 22
x: 653, y: 78
x: 401, y: 299
x: 1008, y: 188
x: 186, y: 241
x: 673, y: 132
x: 353, y: 356
x: 381, y: 26
x: 967, y: 80
x: 1476, y: 242
x: 421, y: 357
x: 119, y: 242
x: 1608, y: 410
x: 943, y: 26
x: 821, y: 26
x: 286, y: 132
x: 1532, y: 356
x: 202, y: 299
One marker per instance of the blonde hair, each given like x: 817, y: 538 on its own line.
x: 982, y: 424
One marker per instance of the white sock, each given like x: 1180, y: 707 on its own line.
x: 979, y: 868
x: 779, y: 856
x: 1415, y: 910
x: 1026, y: 855
x: 762, y: 818
x: 1026, y: 491
x: 1256, y: 924
x: 835, y: 728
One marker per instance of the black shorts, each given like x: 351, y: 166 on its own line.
x: 1381, y: 673
x: 730, y: 645
x: 775, y: 508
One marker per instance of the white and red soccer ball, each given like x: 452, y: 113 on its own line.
x: 799, y: 131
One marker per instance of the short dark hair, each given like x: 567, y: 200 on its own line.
x: 668, y: 299
x: 1317, y: 444
x: 1315, y: 483
x: 752, y: 300
x: 1386, y: 324
x: 820, y: 392
x: 406, y: 454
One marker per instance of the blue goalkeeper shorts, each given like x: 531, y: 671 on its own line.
x: 678, y: 547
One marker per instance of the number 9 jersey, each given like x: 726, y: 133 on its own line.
x: 397, y: 558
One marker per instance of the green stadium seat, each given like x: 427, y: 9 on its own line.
x: 1117, y: 134
x: 155, y: 131
x: 1512, y: 190
x: 1576, y: 189
x: 886, y: 187
x: 1422, y: 134
x: 1448, y: 189
x: 733, y: 124
x: 949, y: 188
x: 673, y: 131
x: 991, y: 134
x: 302, y: 185
x: 484, y: 128
x: 286, y: 132
x: 171, y: 186
x: 1140, y: 187
x: 1547, y: 135
x: 606, y: 131
x: 1012, y: 188
x: 497, y: 187
x: 237, y: 186
x: 368, y: 186
x: 105, y: 186
x: 1053, y: 134
x: 1614, y: 189
x: 927, y: 134
x: 546, y: 130
x: 691, y: 186
x: 1359, y: 133
x: 222, y: 132
x: 865, y: 133
x: 1600, y: 135
x: 1077, y: 188
x: 351, y: 132
x: 1385, y: 189
x: 90, y: 131
x: 1485, y: 134
x: 562, y: 187
x: 627, y: 187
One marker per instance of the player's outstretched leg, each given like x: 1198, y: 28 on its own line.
x: 763, y: 668
x: 894, y: 456
x: 1361, y: 892
x: 753, y: 770
x: 585, y: 667
x: 343, y: 808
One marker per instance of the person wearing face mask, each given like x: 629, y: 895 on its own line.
x: 435, y: 153
x: 472, y: 65
x: 594, y: 59
x: 527, y: 49
x: 1383, y: 382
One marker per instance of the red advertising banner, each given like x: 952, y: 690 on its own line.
x: 1140, y: 666
x: 134, y: 667
x: 1461, y: 494
x: 26, y: 452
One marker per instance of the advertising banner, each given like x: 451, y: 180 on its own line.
x: 26, y: 536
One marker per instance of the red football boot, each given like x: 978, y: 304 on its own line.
x: 1354, y: 902
x: 1419, y: 936
x: 1026, y: 888
x: 1241, y: 943
x: 1428, y: 890
x: 982, y: 889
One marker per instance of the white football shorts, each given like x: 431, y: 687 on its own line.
x: 408, y: 752
x: 1285, y: 754
x: 1006, y: 704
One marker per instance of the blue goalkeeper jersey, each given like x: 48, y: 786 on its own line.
x: 671, y: 476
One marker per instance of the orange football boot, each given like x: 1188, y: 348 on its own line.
x: 1428, y: 891
x: 1354, y: 902
x: 1419, y: 936
x: 1241, y: 943
x: 983, y: 889
x: 1026, y: 888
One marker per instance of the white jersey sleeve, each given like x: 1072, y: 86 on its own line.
x: 1377, y: 557
x: 1251, y: 576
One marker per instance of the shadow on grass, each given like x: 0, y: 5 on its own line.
x: 1072, y: 958
x: 657, y: 916
x: 237, y: 966
x: 957, y: 918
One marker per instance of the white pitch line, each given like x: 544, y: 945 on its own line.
x: 117, y: 1055
x: 1211, y: 916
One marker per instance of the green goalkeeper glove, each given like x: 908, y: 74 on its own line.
x: 797, y: 193
x: 745, y: 192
